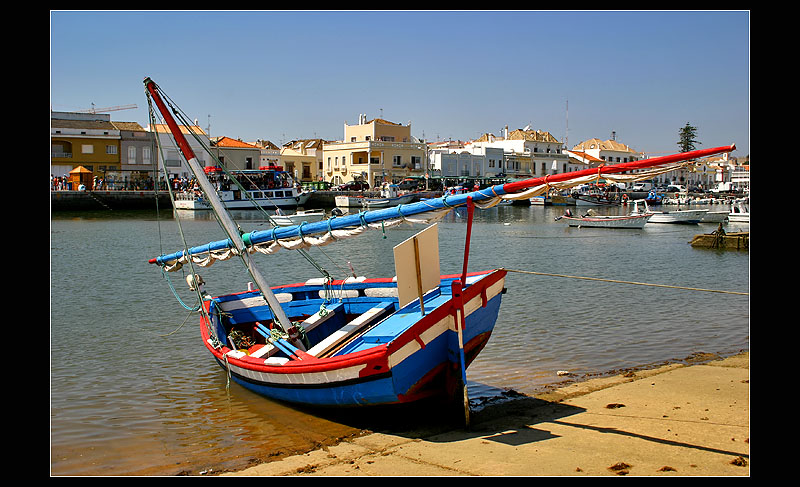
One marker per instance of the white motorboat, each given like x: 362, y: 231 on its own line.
x: 740, y: 213
x: 671, y: 216
x: 633, y: 220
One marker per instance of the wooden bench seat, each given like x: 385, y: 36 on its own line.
x: 341, y: 335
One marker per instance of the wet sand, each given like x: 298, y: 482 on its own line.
x: 684, y: 419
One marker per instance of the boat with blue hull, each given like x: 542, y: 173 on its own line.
x: 359, y: 341
x: 380, y: 353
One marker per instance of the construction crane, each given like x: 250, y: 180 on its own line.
x: 107, y: 109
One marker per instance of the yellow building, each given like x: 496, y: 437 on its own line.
x: 374, y: 151
x: 302, y: 159
x: 81, y: 139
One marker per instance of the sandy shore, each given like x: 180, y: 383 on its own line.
x: 677, y: 420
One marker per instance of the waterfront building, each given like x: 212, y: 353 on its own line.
x: 302, y: 158
x: 83, y: 139
x: 724, y: 169
x: 595, y: 152
x: 529, y: 152
x: 609, y: 151
x: 235, y: 155
x: 172, y: 159
x: 270, y: 153
x: 522, y: 153
x: 375, y: 151
x: 467, y: 161
x: 135, y: 158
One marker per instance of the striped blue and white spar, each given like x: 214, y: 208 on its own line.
x: 450, y: 201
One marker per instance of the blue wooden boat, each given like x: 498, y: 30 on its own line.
x: 357, y: 342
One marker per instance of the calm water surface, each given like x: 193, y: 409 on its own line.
x: 134, y: 392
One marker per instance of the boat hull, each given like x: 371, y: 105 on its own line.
x: 715, y: 217
x: 739, y: 217
x: 188, y: 201
x: 627, y: 221
x: 298, y: 218
x: 679, y: 216
x: 420, y: 361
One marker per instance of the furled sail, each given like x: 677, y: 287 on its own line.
x: 336, y: 228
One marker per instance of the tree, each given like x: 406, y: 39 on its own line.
x: 687, y: 138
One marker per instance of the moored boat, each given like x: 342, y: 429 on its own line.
x: 715, y: 216
x: 354, y: 342
x: 670, y: 216
x: 740, y: 213
x: 296, y: 218
x: 633, y: 220
x: 275, y: 189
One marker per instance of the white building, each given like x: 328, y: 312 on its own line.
x: 176, y: 166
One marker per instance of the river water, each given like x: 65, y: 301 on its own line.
x: 133, y: 390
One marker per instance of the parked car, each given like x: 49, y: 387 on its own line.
x: 353, y: 186
x: 409, y: 184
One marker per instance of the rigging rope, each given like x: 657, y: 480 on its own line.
x: 617, y: 281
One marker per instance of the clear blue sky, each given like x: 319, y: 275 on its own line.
x: 454, y: 74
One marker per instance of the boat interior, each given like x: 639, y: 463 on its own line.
x: 327, y: 321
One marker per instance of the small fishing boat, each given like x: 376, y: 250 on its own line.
x: 654, y: 198
x: 669, y: 216
x: 296, y: 218
x: 633, y: 220
x: 358, y: 341
x: 721, y: 240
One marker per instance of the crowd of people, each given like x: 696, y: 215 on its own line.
x: 62, y: 183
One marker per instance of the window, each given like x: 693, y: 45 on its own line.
x: 131, y: 155
x: 111, y: 149
x: 397, y: 160
x: 145, y: 155
x: 87, y: 149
